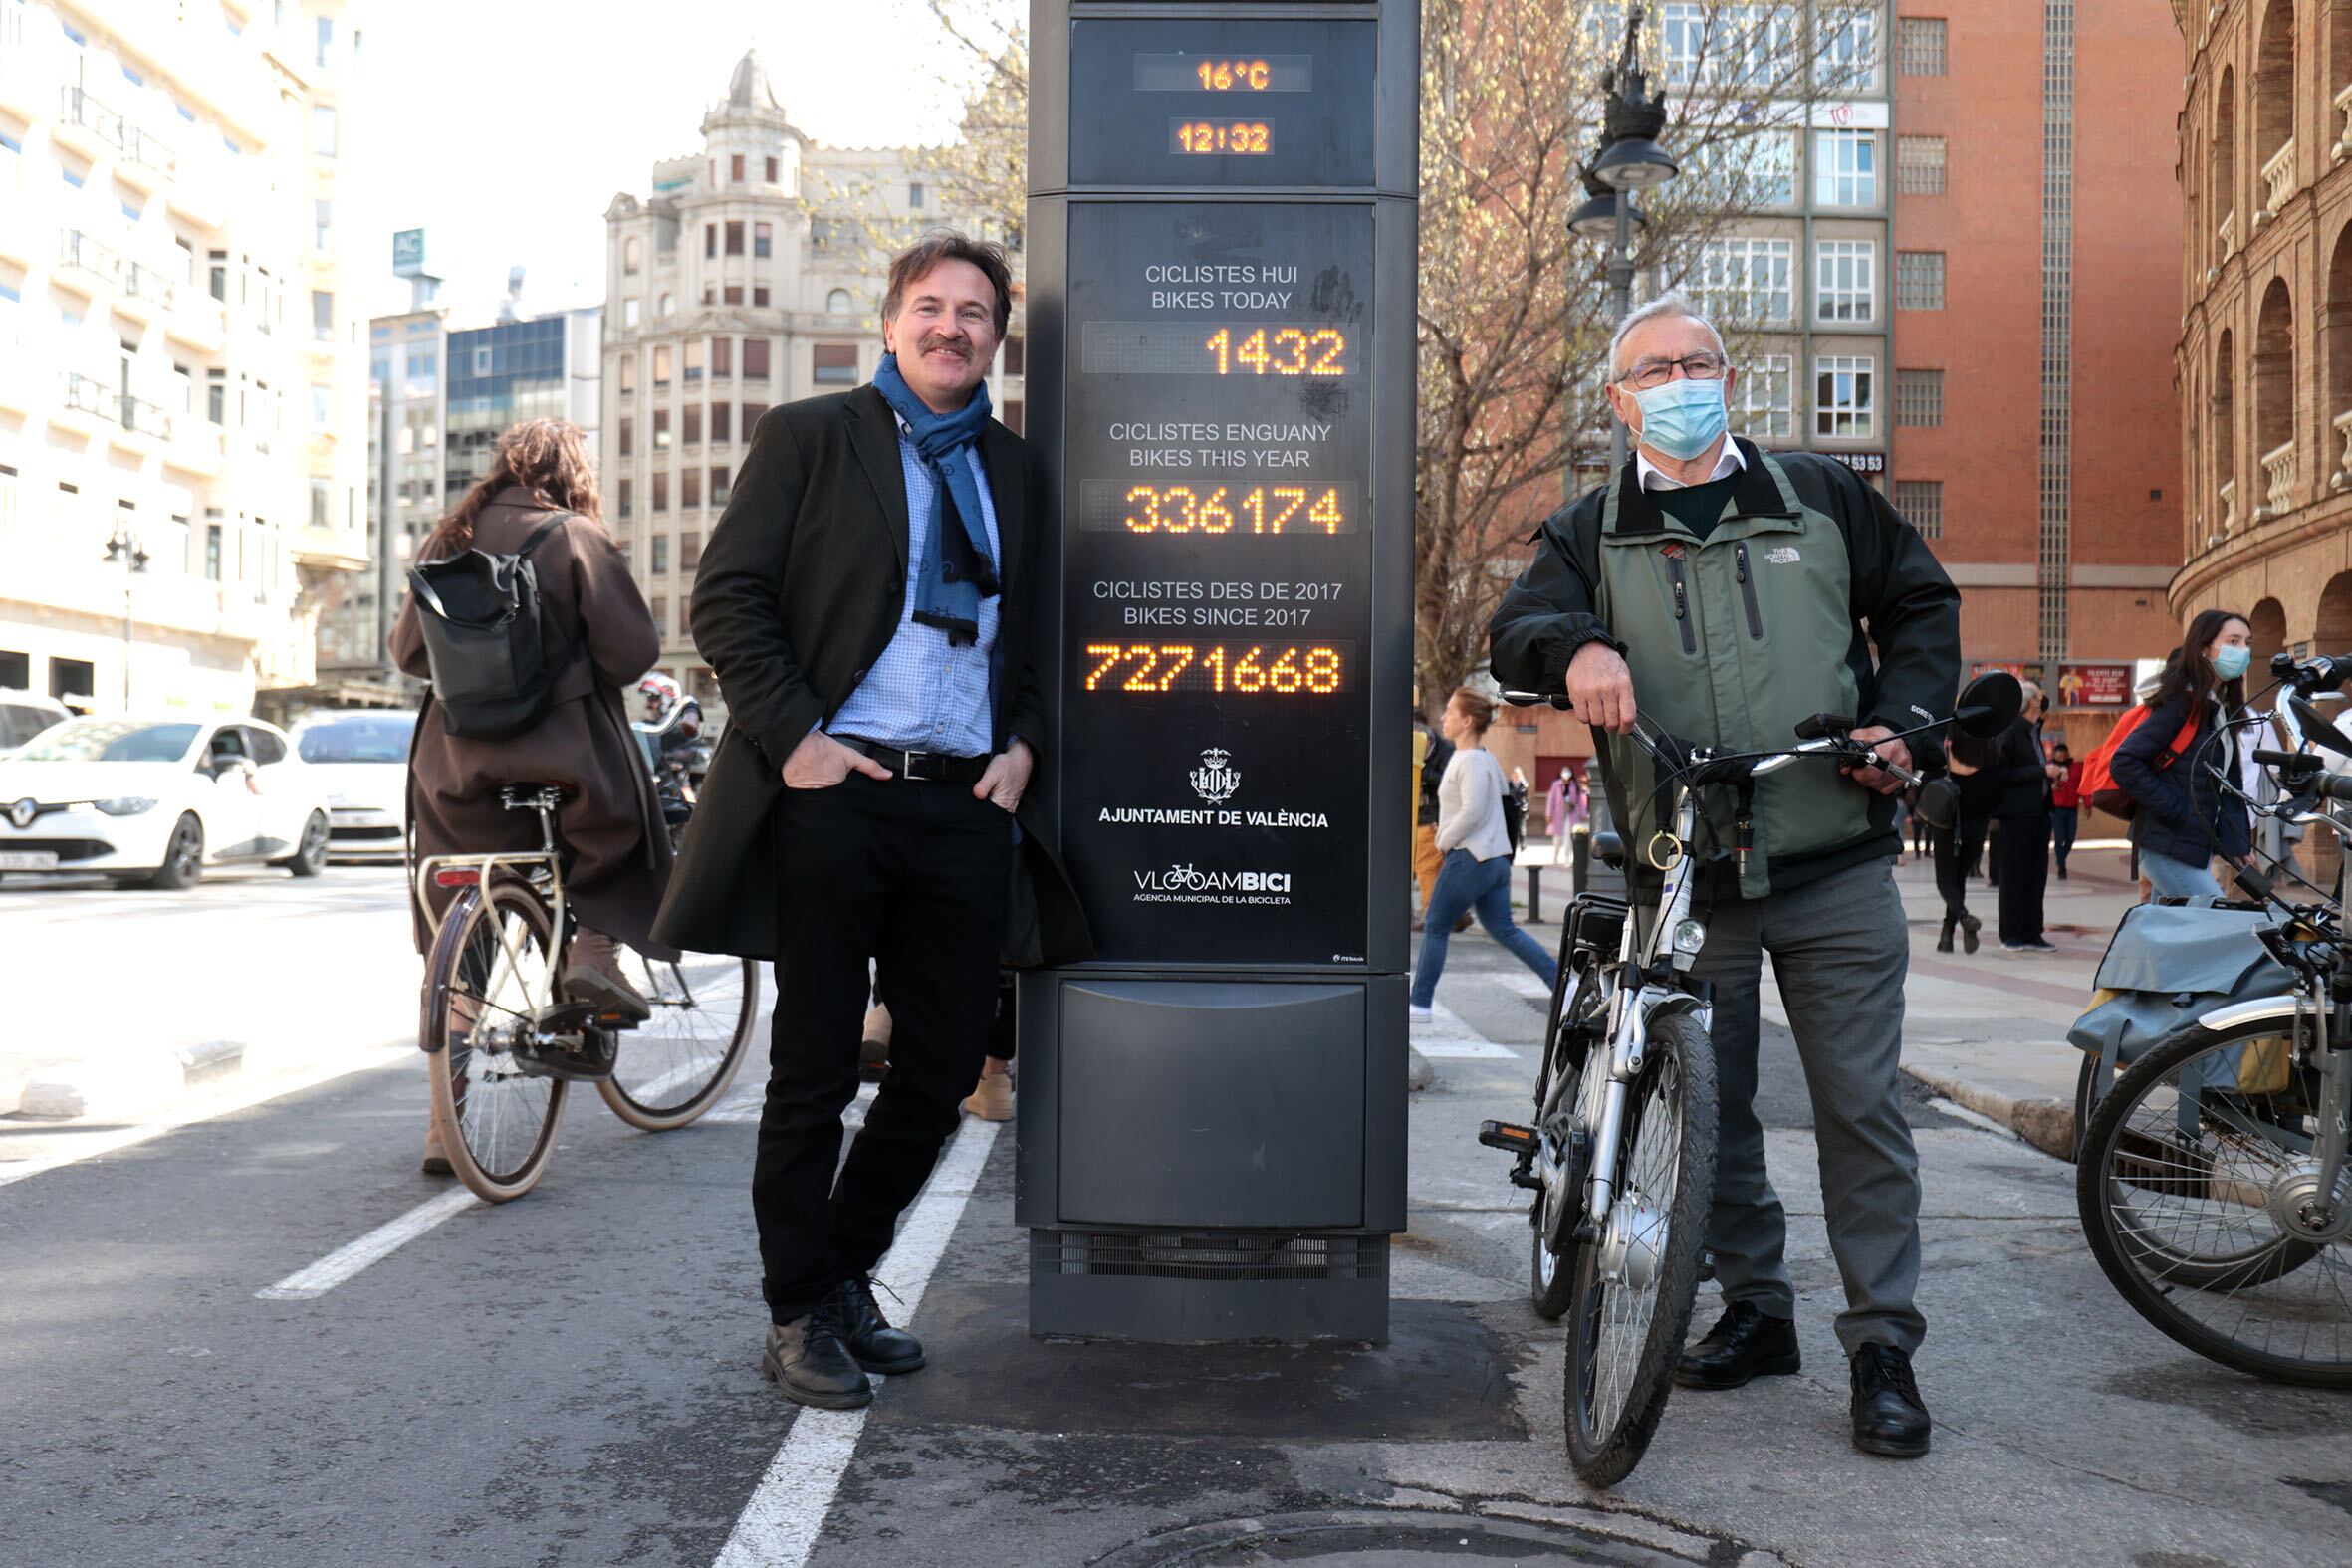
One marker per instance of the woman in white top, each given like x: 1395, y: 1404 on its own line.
x: 1476, y: 874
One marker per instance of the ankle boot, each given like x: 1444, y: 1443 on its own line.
x: 1969, y: 925
x: 1944, y: 942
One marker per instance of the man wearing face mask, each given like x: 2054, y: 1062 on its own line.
x: 1728, y: 593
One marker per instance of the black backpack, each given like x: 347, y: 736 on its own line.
x: 482, y: 623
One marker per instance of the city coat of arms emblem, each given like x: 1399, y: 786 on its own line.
x: 1216, y: 780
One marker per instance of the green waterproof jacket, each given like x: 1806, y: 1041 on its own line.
x: 1811, y: 596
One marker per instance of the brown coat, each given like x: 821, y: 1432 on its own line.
x: 612, y: 828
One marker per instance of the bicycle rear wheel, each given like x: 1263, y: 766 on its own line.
x: 1634, y: 1286
x: 490, y: 979
x: 679, y: 1063
x: 2199, y: 1195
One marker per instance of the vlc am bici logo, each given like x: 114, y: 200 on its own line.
x: 1187, y: 884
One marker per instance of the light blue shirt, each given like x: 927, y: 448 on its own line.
x: 925, y: 694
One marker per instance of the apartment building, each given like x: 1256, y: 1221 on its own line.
x: 182, y: 446
x: 747, y: 278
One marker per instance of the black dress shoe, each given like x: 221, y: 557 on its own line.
x: 1889, y: 1417
x: 1743, y: 1344
x: 810, y: 1363
x: 876, y: 1346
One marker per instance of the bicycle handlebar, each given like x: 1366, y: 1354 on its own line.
x: 2303, y: 771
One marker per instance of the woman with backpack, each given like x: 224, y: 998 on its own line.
x: 597, y: 636
x: 2171, y: 765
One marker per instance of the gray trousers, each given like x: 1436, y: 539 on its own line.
x: 1840, y: 947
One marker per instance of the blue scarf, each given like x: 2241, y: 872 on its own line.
x: 958, y: 569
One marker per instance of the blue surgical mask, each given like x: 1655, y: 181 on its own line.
x: 2229, y: 663
x: 1683, y: 418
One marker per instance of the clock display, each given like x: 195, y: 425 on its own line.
x: 1252, y: 137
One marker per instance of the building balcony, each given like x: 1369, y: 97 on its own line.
x: 77, y: 252
x: 82, y: 404
x: 202, y: 322
x: 2227, y: 497
x: 330, y: 549
x: 138, y: 416
x: 146, y: 292
x: 2278, y: 491
x: 2343, y: 106
x: 87, y: 124
x: 2225, y: 243
x: 2342, y: 479
x: 201, y: 448
x: 2279, y: 182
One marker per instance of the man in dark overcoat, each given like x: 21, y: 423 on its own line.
x: 868, y: 602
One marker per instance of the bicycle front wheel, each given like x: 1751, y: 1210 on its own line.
x: 679, y: 1063
x: 2198, y: 1186
x: 490, y: 979
x: 1634, y: 1286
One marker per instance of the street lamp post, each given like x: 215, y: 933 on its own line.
x: 1630, y: 159
x: 123, y: 546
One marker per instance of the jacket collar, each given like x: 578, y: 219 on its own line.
x: 1756, y: 491
x: 873, y: 432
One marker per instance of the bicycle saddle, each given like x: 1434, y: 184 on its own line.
x: 530, y: 796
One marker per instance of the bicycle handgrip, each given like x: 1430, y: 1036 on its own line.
x: 2285, y: 759
x: 1822, y: 724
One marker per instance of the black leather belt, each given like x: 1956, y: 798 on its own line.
x: 922, y: 767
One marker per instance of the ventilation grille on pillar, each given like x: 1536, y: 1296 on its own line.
x: 1215, y: 1255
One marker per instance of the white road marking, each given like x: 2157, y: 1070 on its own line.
x: 743, y: 1105
x: 1445, y: 1035
x: 1482, y: 1048
x: 777, y: 1527
x: 377, y: 1244
x: 1520, y: 983
x: 79, y: 1149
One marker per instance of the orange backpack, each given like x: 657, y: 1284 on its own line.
x: 2100, y: 788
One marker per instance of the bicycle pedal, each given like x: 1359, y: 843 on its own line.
x: 1506, y: 1135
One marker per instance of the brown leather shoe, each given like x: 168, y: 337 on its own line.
x: 436, y: 1159
x: 992, y: 1101
x: 593, y: 973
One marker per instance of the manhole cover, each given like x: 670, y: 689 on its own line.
x: 1382, y: 1540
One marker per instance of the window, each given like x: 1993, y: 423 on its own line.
x: 721, y: 413
x: 323, y: 41
x: 322, y: 223
x: 722, y: 358
x: 216, y: 397
x: 212, y: 552
x: 661, y: 365
x: 1848, y: 58
x: 734, y: 169
x: 1728, y: 45
x: 628, y: 436
x: 763, y: 239
x: 735, y: 237
x: 690, y: 542
x: 735, y: 294
x: 1919, y: 165
x: 1919, y: 280
x: 691, y: 419
x: 322, y: 414
x: 321, y: 316
x: 632, y: 255
x: 661, y: 554
x: 627, y: 498
x: 661, y: 492
x: 1842, y: 398
x: 691, y: 489
x: 662, y: 431
x: 1747, y: 280
x: 482, y: 360
x: 774, y: 171
x: 322, y: 504
x: 1920, y: 46
x: 691, y: 352
x: 719, y: 479
x: 1921, y: 501
x: 914, y: 195
x: 322, y: 130
x: 838, y: 302
x: 754, y: 368
x: 219, y: 264
x: 1767, y: 408
x: 752, y: 415
x: 1016, y: 355
x: 628, y: 313
x: 661, y: 612
x: 670, y: 306
x: 710, y: 240
x: 834, y: 364
x: 1918, y: 399
x: 758, y: 294
x: 1845, y: 279
x: 1845, y: 168
x: 627, y: 367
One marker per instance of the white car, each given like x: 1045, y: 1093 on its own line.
x: 360, y: 756
x: 24, y: 715
x: 157, y: 800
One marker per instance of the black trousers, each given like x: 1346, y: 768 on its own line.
x: 2022, y: 852
x: 1956, y: 852
x: 914, y: 875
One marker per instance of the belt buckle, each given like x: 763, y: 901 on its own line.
x: 917, y: 765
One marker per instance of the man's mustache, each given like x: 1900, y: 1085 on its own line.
x: 956, y: 345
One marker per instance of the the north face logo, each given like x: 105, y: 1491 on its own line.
x: 1784, y: 555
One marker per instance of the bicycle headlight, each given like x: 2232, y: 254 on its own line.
x: 125, y: 805
x: 1689, y: 938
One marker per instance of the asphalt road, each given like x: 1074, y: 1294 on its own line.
x: 570, y: 1379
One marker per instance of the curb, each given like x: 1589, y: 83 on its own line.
x: 124, y: 1086
x: 2048, y: 1125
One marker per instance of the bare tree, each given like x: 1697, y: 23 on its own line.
x: 1514, y: 308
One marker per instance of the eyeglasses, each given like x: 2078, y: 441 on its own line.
x: 1647, y: 374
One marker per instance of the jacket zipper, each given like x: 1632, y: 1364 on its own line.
x: 1748, y: 592
x: 1682, y: 605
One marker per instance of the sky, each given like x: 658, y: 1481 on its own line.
x: 505, y: 127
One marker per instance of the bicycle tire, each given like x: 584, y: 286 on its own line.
x: 690, y: 1081
x: 2120, y: 1154
x: 1550, y: 1278
x: 1604, y: 1445
x: 458, y: 994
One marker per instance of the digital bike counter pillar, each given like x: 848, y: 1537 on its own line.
x: 1222, y: 263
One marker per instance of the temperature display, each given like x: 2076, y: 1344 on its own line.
x: 1187, y: 72
x: 1252, y: 137
x: 1250, y: 669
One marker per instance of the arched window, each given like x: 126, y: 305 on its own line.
x: 2228, y: 515
x: 632, y: 255
x: 2274, y: 400
x: 2337, y: 345
x: 2223, y: 184
x: 2273, y: 106
x: 669, y: 303
x: 838, y: 302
